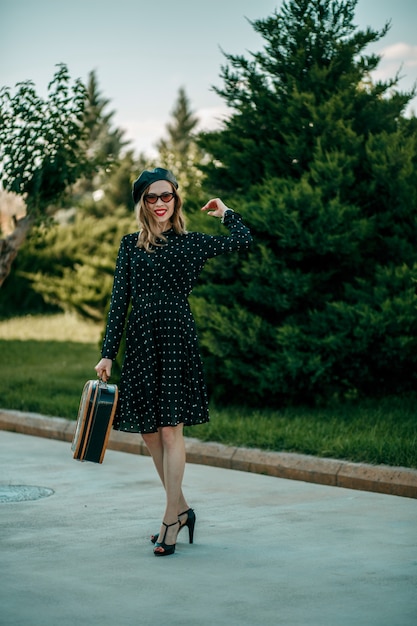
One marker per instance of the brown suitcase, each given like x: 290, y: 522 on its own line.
x: 95, y: 419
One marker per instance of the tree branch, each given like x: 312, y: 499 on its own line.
x: 9, y: 246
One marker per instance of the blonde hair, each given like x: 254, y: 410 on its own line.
x: 150, y: 235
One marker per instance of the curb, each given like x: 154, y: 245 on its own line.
x: 396, y: 481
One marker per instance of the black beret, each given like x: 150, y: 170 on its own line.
x: 148, y: 177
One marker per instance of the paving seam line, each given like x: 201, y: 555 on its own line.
x: 396, y: 481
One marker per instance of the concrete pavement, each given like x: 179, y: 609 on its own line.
x: 267, y: 550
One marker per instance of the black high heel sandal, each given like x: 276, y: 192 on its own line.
x: 190, y: 523
x: 167, y: 549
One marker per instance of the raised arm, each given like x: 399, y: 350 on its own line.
x: 239, y: 237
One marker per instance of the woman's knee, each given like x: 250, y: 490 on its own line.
x: 152, y: 440
x: 170, y: 435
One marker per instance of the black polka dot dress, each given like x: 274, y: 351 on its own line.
x: 162, y: 380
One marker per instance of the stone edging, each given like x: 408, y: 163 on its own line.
x: 398, y: 481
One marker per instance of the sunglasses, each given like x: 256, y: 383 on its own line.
x: 165, y: 197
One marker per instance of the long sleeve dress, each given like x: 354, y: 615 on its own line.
x: 162, y: 380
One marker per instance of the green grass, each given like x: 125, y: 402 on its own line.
x: 45, y: 362
x: 371, y: 431
x: 45, y: 376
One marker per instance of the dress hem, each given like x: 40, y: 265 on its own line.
x: 136, y: 430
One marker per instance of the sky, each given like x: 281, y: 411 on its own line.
x: 143, y: 52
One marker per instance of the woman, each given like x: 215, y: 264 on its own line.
x: 162, y: 384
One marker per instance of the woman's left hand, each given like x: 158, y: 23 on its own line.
x: 217, y: 205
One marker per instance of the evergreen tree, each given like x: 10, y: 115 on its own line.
x: 180, y: 153
x: 103, y: 139
x: 180, y: 129
x: 103, y: 142
x: 322, y: 162
x: 75, y: 262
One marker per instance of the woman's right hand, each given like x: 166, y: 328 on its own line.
x: 103, y: 369
x: 218, y: 207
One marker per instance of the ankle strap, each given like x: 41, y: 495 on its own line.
x: 173, y: 524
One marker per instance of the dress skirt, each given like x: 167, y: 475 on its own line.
x: 162, y: 381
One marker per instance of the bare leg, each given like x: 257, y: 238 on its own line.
x: 155, y: 444
x: 173, y: 463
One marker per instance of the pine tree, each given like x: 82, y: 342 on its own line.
x: 103, y: 138
x: 180, y: 153
x: 103, y: 141
x: 180, y: 129
x: 75, y: 262
x: 321, y: 161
